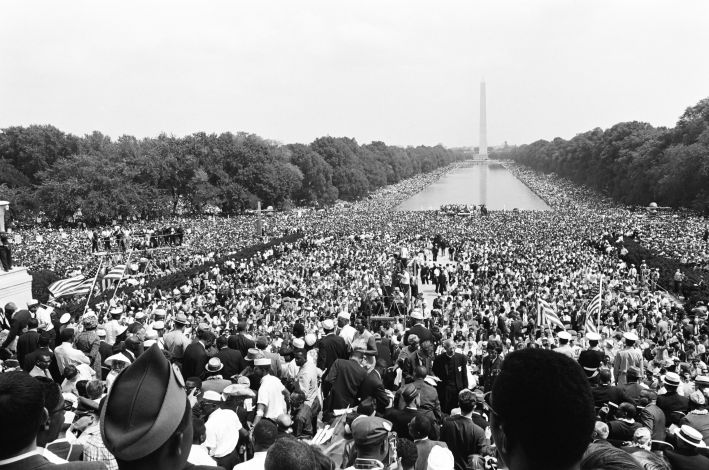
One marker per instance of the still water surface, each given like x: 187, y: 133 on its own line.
x: 490, y: 184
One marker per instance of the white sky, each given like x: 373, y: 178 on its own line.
x: 405, y: 72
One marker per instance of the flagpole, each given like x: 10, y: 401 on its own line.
x: 600, y: 302
x: 93, y: 284
x: 122, y: 274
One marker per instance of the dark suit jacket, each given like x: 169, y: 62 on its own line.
x: 400, y: 420
x: 373, y: 387
x: 241, y: 343
x: 232, y: 360
x: 464, y: 438
x: 423, y: 448
x: 194, y: 360
x: 458, y: 376
x: 428, y: 399
x: 37, y: 461
x: 26, y: 343
x: 653, y: 418
x: 18, y: 323
x: 330, y: 348
x: 673, y: 402
x: 686, y: 462
x: 609, y: 393
x: 342, y: 384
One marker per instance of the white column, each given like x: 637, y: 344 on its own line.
x: 482, y: 150
x: 4, y: 205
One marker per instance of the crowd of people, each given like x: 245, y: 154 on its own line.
x: 380, y: 339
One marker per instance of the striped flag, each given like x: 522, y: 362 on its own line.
x: 60, y: 288
x: 115, y: 274
x: 593, y: 311
x: 546, y: 314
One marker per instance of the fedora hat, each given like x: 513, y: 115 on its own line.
x: 214, y: 365
x: 181, y: 318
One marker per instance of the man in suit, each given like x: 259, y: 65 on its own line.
x: 342, y: 384
x: 428, y: 396
x: 652, y: 416
x: 623, y: 428
x: 400, y: 419
x: 23, y: 414
x: 19, y: 321
x: 418, y: 328
x: 421, y: 429
x: 698, y: 417
x: 463, y: 437
x: 629, y: 357
x: 606, y: 393
x: 331, y: 347
x: 672, y: 404
x: 372, y: 386
x: 632, y: 387
x: 240, y: 341
x: 232, y: 360
x: 452, y: 368
x: 196, y: 357
x: 28, y: 341
x: 420, y: 357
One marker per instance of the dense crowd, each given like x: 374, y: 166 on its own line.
x: 381, y: 338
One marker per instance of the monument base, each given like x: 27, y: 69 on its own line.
x: 15, y: 286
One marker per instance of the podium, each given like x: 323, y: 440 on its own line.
x: 15, y: 286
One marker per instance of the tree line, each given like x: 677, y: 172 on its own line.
x: 46, y: 172
x: 633, y: 162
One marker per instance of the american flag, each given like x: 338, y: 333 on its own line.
x: 77, y: 285
x: 115, y: 274
x: 546, y: 314
x: 593, y: 310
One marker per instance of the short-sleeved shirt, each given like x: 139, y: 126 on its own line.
x: 270, y: 394
x: 222, y: 432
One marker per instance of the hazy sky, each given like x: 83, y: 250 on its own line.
x: 405, y: 72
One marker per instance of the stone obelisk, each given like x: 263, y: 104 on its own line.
x: 482, y: 150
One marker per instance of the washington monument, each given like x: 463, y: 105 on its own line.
x: 482, y: 149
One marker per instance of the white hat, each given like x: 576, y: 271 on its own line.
x: 564, y: 335
x: 440, y: 458
x: 211, y: 395
x: 116, y: 311
x: 298, y: 343
x: 671, y: 379
x: 32, y: 302
x: 630, y: 336
x: 344, y: 315
x: 328, y: 325
x: 101, y: 332
x: 417, y: 315
x: 120, y: 357
x: 591, y: 336
x: 262, y: 361
x: 691, y: 436
x: 159, y: 325
x: 310, y: 339
x: 64, y: 319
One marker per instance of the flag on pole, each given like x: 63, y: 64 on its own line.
x: 546, y: 314
x: 59, y: 288
x: 77, y: 285
x: 593, y: 311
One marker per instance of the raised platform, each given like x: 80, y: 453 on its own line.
x: 15, y: 286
